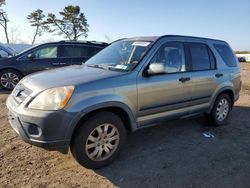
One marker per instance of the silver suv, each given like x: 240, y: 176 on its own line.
x: 132, y: 84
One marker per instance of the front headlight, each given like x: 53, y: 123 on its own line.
x: 52, y: 99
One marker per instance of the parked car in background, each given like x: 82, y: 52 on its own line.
x: 45, y: 56
x: 241, y: 59
x: 19, y: 47
x: 6, y: 51
x: 132, y: 84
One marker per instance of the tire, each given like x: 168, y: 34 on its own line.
x: 88, y: 140
x: 221, y: 110
x: 9, y: 79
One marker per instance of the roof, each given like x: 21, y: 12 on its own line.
x: 84, y: 42
x: 146, y: 38
x: 98, y: 43
x: 155, y: 38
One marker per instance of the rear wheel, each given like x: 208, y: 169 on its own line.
x: 221, y: 110
x: 9, y: 79
x: 98, y: 140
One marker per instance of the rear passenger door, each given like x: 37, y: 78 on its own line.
x: 64, y: 58
x: 69, y: 52
x: 81, y: 53
x: 203, y: 75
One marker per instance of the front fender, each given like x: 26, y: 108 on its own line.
x: 93, y: 104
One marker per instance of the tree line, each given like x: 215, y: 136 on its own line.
x: 242, y: 52
x: 71, y: 23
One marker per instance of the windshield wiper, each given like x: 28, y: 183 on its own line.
x: 98, y: 66
x: 107, y: 67
x: 112, y: 68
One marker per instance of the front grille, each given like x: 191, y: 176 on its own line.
x: 20, y: 93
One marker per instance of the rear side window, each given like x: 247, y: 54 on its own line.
x: 226, y: 54
x: 93, y: 50
x: 201, y: 57
x: 79, y: 51
x: 74, y: 51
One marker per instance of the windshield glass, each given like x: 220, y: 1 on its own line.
x: 11, y: 51
x: 122, y: 55
x: 28, y: 49
x: 8, y: 50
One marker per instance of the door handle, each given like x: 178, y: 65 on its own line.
x: 55, y: 64
x: 62, y: 63
x: 217, y: 75
x: 184, y: 79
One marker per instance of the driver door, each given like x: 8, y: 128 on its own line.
x: 165, y: 95
x: 39, y: 59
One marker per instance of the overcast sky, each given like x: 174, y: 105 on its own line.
x: 113, y: 19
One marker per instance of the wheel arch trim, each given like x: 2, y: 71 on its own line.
x: 12, y: 68
x: 218, y: 92
x: 101, y: 106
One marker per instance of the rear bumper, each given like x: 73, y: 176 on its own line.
x: 42, y: 128
x: 237, y: 92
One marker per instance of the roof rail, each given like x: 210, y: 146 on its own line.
x: 85, y: 41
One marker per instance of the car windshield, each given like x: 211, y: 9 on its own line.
x: 122, y: 55
x: 10, y: 51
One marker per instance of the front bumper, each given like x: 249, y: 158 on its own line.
x: 46, y: 129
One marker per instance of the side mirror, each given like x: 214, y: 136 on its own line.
x: 156, y: 68
x: 31, y: 56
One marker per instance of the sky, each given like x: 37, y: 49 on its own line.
x: 110, y: 20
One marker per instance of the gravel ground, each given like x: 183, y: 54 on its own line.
x: 174, y: 154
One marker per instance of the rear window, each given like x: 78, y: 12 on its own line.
x: 226, y: 54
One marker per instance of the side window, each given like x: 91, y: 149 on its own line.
x: 93, y: 50
x: 200, y: 57
x: 74, y: 51
x: 79, y: 51
x: 171, y: 55
x: 226, y: 54
x: 47, y: 52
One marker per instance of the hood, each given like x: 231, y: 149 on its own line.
x: 72, y: 75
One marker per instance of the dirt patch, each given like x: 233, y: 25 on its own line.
x: 245, y: 75
x: 172, y: 155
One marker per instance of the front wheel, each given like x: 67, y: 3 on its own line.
x: 98, y: 140
x: 221, y: 109
x: 9, y: 79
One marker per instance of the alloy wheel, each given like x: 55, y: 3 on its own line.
x: 9, y: 80
x: 102, y: 142
x: 222, y: 109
